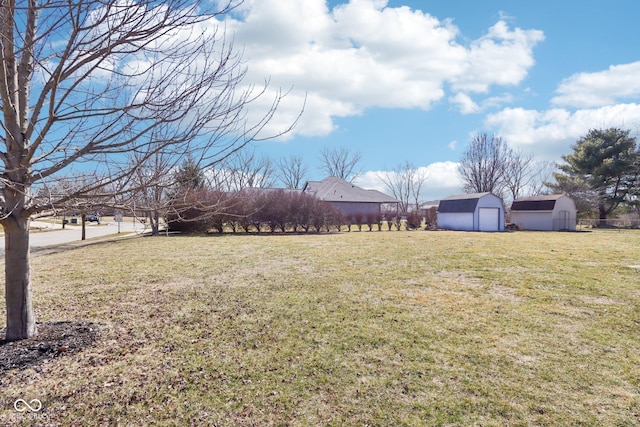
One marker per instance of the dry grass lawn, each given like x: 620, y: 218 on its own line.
x: 361, y: 328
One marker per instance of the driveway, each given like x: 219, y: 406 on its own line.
x: 52, y: 235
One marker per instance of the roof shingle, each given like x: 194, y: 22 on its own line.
x: 334, y: 189
x: 460, y: 203
x: 536, y: 203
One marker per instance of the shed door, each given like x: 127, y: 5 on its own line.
x: 489, y: 219
x: 563, y: 220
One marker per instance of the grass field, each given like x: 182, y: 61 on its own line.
x: 361, y: 328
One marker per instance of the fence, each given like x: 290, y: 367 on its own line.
x: 612, y: 223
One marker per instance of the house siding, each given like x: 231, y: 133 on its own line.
x: 352, y: 208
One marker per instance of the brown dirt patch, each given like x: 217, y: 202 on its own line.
x: 54, y: 339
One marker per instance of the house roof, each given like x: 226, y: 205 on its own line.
x: 536, y: 203
x: 460, y: 203
x: 430, y: 204
x: 334, y: 189
x: 260, y: 190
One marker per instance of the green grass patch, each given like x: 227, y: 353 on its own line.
x: 381, y: 328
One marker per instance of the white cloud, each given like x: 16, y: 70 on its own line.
x: 364, y: 54
x: 305, y: 111
x: 584, y: 90
x: 501, y: 57
x: 550, y: 134
x: 370, y: 180
x: 466, y: 105
x: 443, y: 180
x: 497, y: 101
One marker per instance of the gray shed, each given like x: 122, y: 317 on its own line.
x: 547, y: 213
x: 471, y: 212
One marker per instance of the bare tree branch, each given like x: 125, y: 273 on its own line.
x: 518, y: 173
x: 405, y: 183
x: 86, y: 86
x: 340, y: 162
x: 292, y: 171
x: 482, y: 167
x: 245, y: 169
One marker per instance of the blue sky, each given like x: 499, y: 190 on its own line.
x: 413, y: 81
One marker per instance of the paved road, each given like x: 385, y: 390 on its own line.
x: 73, y: 233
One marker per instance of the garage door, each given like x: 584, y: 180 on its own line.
x: 489, y: 219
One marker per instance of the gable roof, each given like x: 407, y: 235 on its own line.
x: 536, y: 203
x: 460, y: 203
x: 266, y: 190
x: 429, y: 204
x: 334, y: 189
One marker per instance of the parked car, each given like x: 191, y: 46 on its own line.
x: 93, y: 218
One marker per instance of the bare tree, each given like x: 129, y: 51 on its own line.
x: 85, y: 82
x: 491, y: 165
x: 292, y: 171
x: 542, y: 173
x: 219, y: 178
x: 483, y: 165
x: 518, y: 173
x: 149, y: 189
x: 340, y: 162
x: 78, y: 201
x: 245, y: 169
x: 405, y: 183
x: 417, y: 177
x: 156, y: 185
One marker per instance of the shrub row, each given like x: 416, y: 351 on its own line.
x: 252, y: 210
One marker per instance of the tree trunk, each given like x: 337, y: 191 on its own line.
x: 603, y: 215
x: 154, y: 219
x: 20, y: 317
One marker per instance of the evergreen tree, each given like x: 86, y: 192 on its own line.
x: 189, y: 176
x: 603, y: 164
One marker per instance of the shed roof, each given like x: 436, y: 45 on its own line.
x: 460, y: 203
x: 334, y: 189
x: 536, y: 203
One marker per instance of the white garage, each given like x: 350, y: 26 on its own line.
x: 471, y: 212
x: 552, y: 212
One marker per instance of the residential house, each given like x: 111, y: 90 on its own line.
x: 348, y: 197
